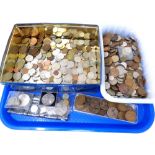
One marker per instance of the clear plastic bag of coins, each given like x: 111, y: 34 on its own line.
x: 101, y: 107
x: 123, y: 66
x: 19, y: 100
x: 17, y: 111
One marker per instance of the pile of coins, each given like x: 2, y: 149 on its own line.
x: 44, y: 105
x: 53, y: 54
x: 105, y: 108
x: 123, y: 68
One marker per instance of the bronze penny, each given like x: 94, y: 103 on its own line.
x: 23, y: 49
x: 103, y: 105
x: 34, y: 32
x: 46, y: 47
x: 49, y: 31
x: 80, y: 99
x: 33, y: 51
x: 33, y: 41
x: 106, y: 48
x: 130, y: 116
x: 141, y: 91
x: 17, y: 40
x: 14, y: 49
x: 122, y: 107
x: 106, y: 40
x: 102, y: 112
x: 121, y: 115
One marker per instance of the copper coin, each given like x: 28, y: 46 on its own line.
x: 103, y: 105
x: 130, y: 116
x: 102, y: 112
x: 80, y: 99
x: 122, y: 107
x: 23, y: 49
x: 34, y: 32
x: 14, y: 49
x: 33, y: 41
x: 112, y: 112
x: 121, y: 115
x: 33, y: 51
x: 17, y: 40
x: 141, y: 91
x: 46, y: 47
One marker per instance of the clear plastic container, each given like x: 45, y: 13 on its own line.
x: 145, y: 65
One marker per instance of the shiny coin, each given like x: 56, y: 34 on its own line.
x: 34, y: 109
x: 31, y: 71
x: 55, y: 66
x: 29, y: 58
x: 17, y: 76
x: 28, y: 65
x: 43, y: 109
x: 77, y: 59
x: 91, y: 75
x: 25, y: 77
x: 33, y: 41
x: 24, y: 99
x: 48, y: 99
x: 70, y: 64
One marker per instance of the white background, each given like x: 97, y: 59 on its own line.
x: 135, y: 15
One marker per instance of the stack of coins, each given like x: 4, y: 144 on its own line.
x: 53, y: 54
x: 105, y: 108
x: 123, y: 68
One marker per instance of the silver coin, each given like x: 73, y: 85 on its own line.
x: 48, y: 99
x: 24, y: 99
x: 34, y: 109
x: 13, y: 101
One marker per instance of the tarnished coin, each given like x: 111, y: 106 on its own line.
x: 48, y: 99
x: 112, y: 112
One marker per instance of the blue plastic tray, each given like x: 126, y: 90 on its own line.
x: 77, y: 120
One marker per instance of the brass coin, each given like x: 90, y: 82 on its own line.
x: 7, y: 76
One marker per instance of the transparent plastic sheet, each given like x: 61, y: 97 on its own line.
x: 38, y: 104
x: 98, y: 106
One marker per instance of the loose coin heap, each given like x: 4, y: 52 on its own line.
x: 105, y: 108
x: 123, y: 68
x: 53, y: 54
